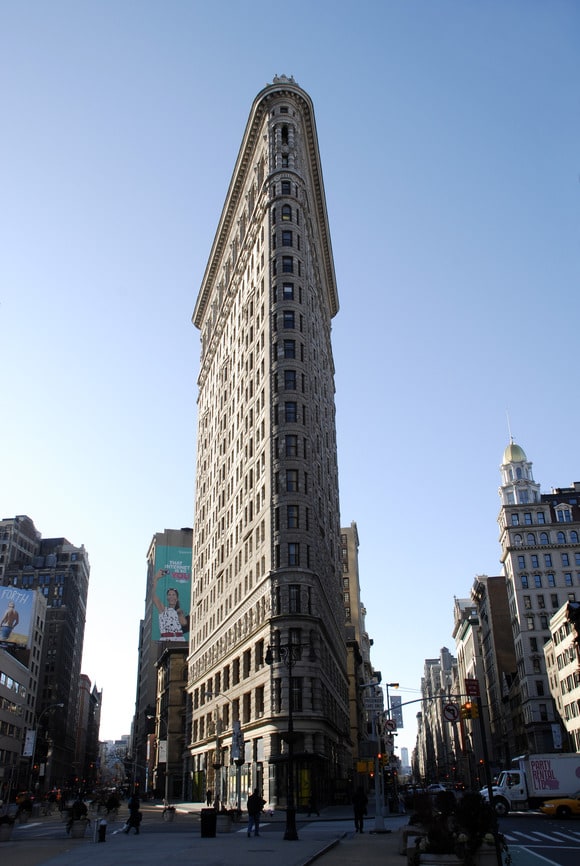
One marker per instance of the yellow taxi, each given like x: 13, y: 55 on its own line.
x: 562, y: 807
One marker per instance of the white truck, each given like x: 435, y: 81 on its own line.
x: 535, y: 778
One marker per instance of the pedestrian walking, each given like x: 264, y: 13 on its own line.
x: 135, y: 816
x: 359, y: 804
x: 208, y: 794
x: 255, y: 805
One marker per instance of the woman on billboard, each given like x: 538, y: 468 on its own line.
x: 173, y: 623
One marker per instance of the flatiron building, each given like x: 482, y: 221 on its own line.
x: 267, y: 617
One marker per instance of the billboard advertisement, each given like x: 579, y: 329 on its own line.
x: 16, y: 615
x: 171, y: 593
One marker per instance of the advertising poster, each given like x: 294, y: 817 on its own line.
x: 171, y: 593
x: 16, y: 615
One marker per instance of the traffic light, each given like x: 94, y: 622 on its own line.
x: 469, y: 710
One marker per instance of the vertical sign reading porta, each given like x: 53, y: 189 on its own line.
x: 472, y: 688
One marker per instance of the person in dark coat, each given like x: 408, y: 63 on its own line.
x: 359, y: 804
x: 134, y: 819
x: 208, y: 796
x: 255, y: 805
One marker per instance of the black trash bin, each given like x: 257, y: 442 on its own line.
x: 208, y: 823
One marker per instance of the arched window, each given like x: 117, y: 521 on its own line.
x: 544, y: 538
x: 574, y: 537
x: 561, y: 538
x: 530, y: 538
x: 286, y: 212
x: 517, y: 539
x: 284, y: 134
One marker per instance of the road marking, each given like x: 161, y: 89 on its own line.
x: 539, y: 856
x: 567, y: 836
x: 545, y: 836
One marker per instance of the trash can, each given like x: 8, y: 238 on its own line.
x: 208, y: 823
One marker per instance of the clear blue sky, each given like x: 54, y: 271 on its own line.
x: 449, y: 135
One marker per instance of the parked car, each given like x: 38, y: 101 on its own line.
x: 562, y: 807
x: 435, y: 788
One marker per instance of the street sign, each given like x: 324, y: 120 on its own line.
x: 451, y: 712
x: 390, y: 725
x: 472, y: 688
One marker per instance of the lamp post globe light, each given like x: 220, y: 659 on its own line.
x: 289, y: 654
x: 47, y: 709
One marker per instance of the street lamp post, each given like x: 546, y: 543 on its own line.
x: 166, y: 723
x: 379, y: 794
x: 387, y: 687
x: 38, y: 718
x: 237, y: 747
x: 289, y: 654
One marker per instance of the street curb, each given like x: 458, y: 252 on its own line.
x: 323, y: 851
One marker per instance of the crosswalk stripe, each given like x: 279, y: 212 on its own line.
x: 567, y: 836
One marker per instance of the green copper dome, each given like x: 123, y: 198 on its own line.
x: 514, y: 454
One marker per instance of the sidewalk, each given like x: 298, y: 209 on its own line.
x: 328, y: 840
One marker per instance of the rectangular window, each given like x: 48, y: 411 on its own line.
x: 288, y: 319
x: 541, y: 517
x: 286, y: 187
x: 292, y: 481
x: 294, y: 598
x: 247, y: 661
x: 537, y: 580
x: 534, y: 644
x: 289, y: 348
x: 528, y: 518
x: 521, y: 561
x: 543, y: 621
x: 287, y: 264
x: 247, y: 708
x: 527, y: 602
x: 235, y: 671
x: 277, y: 684
x: 260, y: 701
x: 568, y: 579
x: 530, y: 622
x: 551, y: 580
x: 535, y: 561
x: 296, y: 693
x: 293, y: 554
x: 291, y: 445
x: 565, y: 559
x: 288, y: 291
x: 287, y: 238
x: 554, y: 600
x: 289, y: 380
x: 291, y: 412
x: 515, y: 520
x: 524, y: 579
x: 293, y: 517
x: 541, y: 602
x: 548, y: 560
x: 540, y: 688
